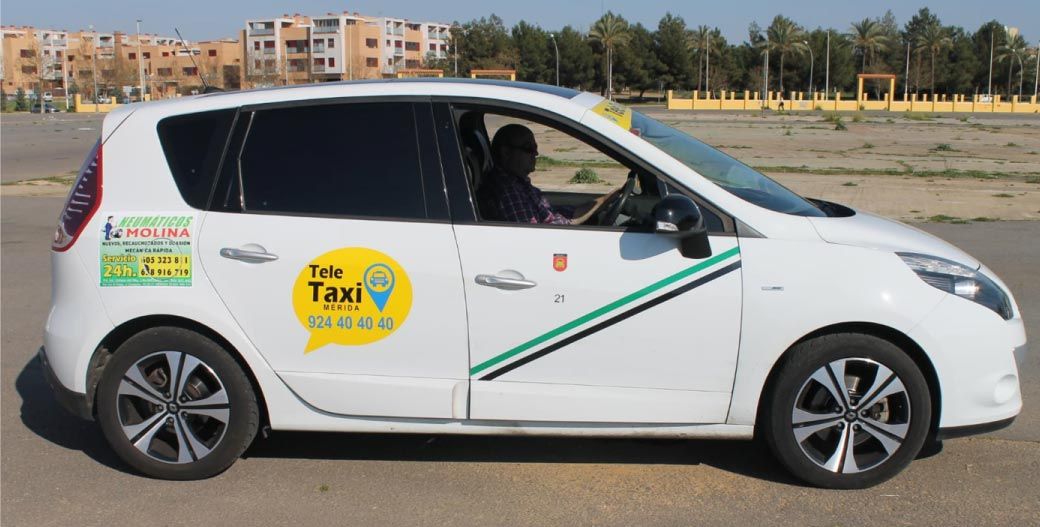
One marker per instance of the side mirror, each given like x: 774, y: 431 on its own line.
x: 678, y: 216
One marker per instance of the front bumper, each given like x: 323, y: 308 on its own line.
x: 75, y: 403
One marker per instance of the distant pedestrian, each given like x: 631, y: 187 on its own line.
x: 781, y: 107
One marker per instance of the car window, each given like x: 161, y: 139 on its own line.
x: 357, y: 159
x: 193, y: 145
x: 570, y: 171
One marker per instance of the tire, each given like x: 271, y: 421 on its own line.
x: 885, y: 417
x: 175, y: 405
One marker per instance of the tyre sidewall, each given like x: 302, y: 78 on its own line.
x: 242, y: 420
x: 811, y: 355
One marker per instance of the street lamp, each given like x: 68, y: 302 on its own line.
x: 812, y: 60
x: 1037, y: 74
x: 557, y: 48
x: 140, y: 63
x: 827, y: 74
x: 93, y: 63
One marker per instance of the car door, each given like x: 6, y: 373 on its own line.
x: 330, y: 246
x: 580, y: 324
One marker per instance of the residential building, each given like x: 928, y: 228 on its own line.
x: 32, y: 59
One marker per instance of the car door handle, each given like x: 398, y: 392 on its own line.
x: 504, y: 282
x: 260, y: 255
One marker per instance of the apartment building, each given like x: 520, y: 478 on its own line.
x: 30, y: 57
x: 300, y: 49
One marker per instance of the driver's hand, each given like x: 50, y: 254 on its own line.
x: 586, y: 211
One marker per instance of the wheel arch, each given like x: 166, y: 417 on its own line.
x: 121, y: 333
x: 894, y: 336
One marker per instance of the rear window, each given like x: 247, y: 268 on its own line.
x: 194, y: 145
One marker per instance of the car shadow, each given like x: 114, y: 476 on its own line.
x: 41, y: 414
x: 741, y: 457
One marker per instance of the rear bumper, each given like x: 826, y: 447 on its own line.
x: 74, y: 402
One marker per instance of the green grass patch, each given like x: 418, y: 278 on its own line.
x: 943, y: 218
x: 867, y: 146
x: 944, y: 147
x: 850, y: 184
x: 983, y: 219
x: 1003, y: 195
x: 1012, y: 145
x: 545, y: 162
x: 566, y: 149
x: 914, y: 116
x: 585, y: 176
x: 857, y: 118
x: 1033, y: 179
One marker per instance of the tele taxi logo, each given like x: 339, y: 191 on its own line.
x: 351, y: 297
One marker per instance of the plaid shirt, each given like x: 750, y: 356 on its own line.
x: 517, y: 200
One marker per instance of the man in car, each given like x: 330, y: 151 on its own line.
x: 508, y: 194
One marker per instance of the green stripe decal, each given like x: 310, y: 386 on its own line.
x: 664, y: 282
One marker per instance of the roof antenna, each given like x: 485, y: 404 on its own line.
x: 206, y: 88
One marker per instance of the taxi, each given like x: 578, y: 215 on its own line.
x: 316, y: 258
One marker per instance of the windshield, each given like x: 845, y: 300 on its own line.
x: 726, y: 172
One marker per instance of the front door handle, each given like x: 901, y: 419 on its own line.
x: 250, y: 253
x: 505, y: 282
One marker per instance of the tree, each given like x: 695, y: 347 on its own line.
x: 697, y: 41
x: 673, y: 54
x: 1013, y: 48
x: 485, y: 44
x: 637, y: 63
x: 536, y: 60
x: 990, y: 33
x: 933, y: 39
x: 868, y: 39
x: 785, y: 38
x: 577, y: 61
x: 21, y: 103
x: 610, y: 31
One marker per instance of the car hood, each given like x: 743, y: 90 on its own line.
x: 871, y: 231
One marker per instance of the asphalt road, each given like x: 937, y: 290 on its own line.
x: 57, y: 470
x: 37, y: 146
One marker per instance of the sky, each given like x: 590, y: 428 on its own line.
x: 206, y: 20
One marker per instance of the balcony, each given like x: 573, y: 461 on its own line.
x: 318, y: 68
x: 399, y: 52
x: 260, y: 32
x: 326, y: 29
x: 319, y: 49
x: 269, y: 51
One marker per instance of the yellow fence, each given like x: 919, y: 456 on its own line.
x: 797, y: 101
x: 87, y: 107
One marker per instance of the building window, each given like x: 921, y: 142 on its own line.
x: 164, y: 72
x: 147, y: 54
x: 433, y: 47
x: 190, y: 70
x: 371, y: 42
x: 29, y: 70
x: 166, y: 53
x: 212, y: 53
x: 332, y: 62
x: 26, y: 53
x: 397, y: 44
x: 133, y: 56
x: 319, y: 42
x: 268, y: 44
x: 387, y: 42
x: 389, y: 62
x: 372, y: 62
x: 256, y: 46
x: 411, y: 46
x: 72, y: 58
x: 411, y: 64
x: 319, y: 62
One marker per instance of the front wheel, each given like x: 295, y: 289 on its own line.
x: 847, y: 411
x: 174, y: 404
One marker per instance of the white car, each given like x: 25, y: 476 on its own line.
x: 315, y: 258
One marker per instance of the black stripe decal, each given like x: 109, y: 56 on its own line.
x: 611, y: 321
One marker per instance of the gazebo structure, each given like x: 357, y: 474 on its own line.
x: 863, y: 76
x: 478, y: 74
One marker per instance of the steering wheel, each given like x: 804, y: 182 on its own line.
x: 613, y: 208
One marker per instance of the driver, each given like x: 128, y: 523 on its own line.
x: 508, y: 194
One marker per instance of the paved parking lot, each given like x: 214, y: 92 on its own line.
x: 59, y: 471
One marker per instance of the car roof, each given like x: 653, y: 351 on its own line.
x: 566, y: 93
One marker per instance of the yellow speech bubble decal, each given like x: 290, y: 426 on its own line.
x: 351, y: 296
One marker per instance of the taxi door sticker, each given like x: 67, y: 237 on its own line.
x: 615, y: 113
x: 146, y: 250
x: 351, y: 297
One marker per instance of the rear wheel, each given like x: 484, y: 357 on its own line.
x: 847, y: 411
x: 174, y: 405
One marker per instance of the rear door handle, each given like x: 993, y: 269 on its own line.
x: 505, y: 282
x: 254, y: 254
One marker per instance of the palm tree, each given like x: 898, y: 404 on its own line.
x: 697, y: 42
x: 610, y: 31
x: 868, y: 38
x: 786, y: 38
x: 1014, y: 47
x: 933, y: 39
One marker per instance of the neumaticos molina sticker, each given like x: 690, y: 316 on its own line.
x: 146, y: 250
x: 352, y: 297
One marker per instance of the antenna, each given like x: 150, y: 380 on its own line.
x: 206, y: 88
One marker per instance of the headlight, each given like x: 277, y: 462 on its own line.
x: 960, y: 280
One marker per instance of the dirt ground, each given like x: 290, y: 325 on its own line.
x: 910, y: 167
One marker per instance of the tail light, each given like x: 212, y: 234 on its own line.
x: 82, y: 203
